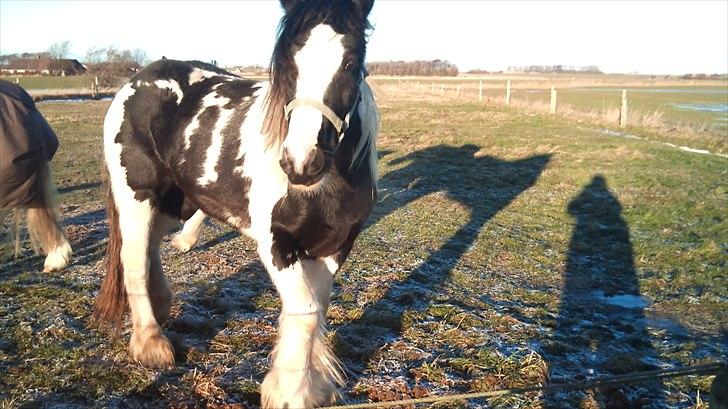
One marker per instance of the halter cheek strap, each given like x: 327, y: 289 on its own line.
x: 328, y: 113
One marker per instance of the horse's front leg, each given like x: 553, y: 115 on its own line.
x: 304, y: 371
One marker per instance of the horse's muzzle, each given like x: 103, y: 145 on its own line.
x: 313, y: 170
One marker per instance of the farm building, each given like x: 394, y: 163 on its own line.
x: 43, y: 66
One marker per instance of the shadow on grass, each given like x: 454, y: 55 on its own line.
x: 82, y: 186
x: 483, y: 184
x: 601, y: 324
x: 85, y: 231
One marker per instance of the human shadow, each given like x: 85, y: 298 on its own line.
x: 484, y: 185
x: 601, y: 329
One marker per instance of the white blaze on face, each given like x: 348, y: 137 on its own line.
x: 317, y: 62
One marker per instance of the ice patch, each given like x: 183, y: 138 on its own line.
x: 622, y: 300
x: 688, y: 149
x: 717, y: 108
x: 619, y: 134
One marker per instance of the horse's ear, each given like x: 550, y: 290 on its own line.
x: 288, y: 4
x: 365, y: 6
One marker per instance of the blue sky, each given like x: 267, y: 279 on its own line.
x: 653, y: 37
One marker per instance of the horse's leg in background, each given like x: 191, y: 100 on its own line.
x: 303, y: 370
x: 44, y: 226
x: 187, y: 238
x: 159, y: 291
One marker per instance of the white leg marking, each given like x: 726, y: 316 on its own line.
x: 58, y: 257
x: 317, y: 62
x: 304, y: 372
x: 147, y: 344
x: 187, y: 238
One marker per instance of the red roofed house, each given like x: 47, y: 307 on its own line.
x: 43, y: 66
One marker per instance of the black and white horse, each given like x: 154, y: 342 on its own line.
x: 290, y: 163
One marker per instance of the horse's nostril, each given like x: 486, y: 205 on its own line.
x: 311, y: 171
x: 316, y: 164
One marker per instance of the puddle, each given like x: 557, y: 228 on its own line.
x: 74, y: 100
x: 717, y: 108
x: 657, y: 90
x: 622, y: 300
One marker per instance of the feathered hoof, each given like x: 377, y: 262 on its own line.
x: 295, y: 390
x: 58, y: 258
x: 183, y: 243
x: 154, y: 351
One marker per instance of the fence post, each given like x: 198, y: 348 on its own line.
x: 623, y: 111
x: 480, y: 91
x: 553, y: 99
x: 508, y: 92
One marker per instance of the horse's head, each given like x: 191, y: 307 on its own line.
x: 316, y: 70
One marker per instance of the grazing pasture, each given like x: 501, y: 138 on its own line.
x: 507, y: 248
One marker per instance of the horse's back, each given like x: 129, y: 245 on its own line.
x: 176, y: 127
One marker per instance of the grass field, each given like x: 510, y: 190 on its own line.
x: 677, y: 111
x: 45, y: 82
x: 507, y: 248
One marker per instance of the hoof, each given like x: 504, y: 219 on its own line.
x: 154, y: 351
x: 183, y: 243
x: 58, y: 258
x: 295, y: 389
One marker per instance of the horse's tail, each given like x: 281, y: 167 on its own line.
x: 111, y: 303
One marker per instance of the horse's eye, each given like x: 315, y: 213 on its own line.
x: 349, y: 66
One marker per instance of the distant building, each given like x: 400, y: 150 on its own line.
x: 42, y: 66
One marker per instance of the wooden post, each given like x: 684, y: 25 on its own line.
x: 508, y: 92
x: 623, y: 111
x: 480, y: 91
x: 457, y: 90
x: 442, y: 89
x: 553, y: 100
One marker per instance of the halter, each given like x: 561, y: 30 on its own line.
x: 341, y: 125
x: 328, y: 113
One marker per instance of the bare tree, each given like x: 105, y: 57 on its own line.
x: 60, y: 50
x: 95, y: 55
x: 113, y: 66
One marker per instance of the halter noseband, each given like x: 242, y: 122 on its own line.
x: 328, y: 113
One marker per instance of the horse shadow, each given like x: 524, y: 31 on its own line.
x: 484, y: 185
x: 601, y: 326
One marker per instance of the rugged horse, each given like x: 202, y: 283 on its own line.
x: 291, y: 163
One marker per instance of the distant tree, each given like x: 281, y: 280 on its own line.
x: 113, y: 66
x: 60, y: 50
x: 418, y: 68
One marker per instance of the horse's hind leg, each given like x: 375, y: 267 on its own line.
x: 303, y: 371
x: 43, y: 224
x: 159, y: 291
x: 187, y: 238
x: 137, y: 221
